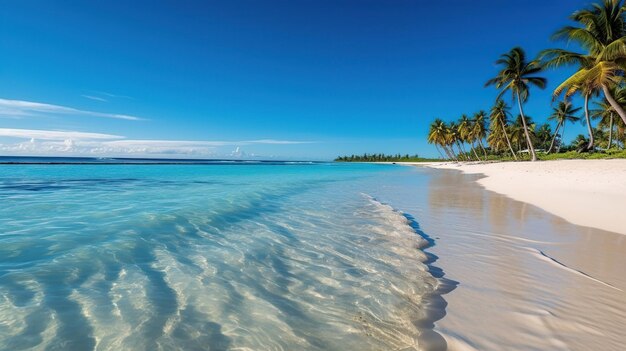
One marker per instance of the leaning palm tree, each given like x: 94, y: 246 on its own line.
x: 563, y: 113
x: 498, y: 127
x: 462, y: 128
x: 454, y: 139
x: 601, y: 33
x: 437, y: 136
x: 517, y: 75
x: 479, y: 130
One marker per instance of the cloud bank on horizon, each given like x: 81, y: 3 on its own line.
x: 45, y: 142
x: 34, y: 142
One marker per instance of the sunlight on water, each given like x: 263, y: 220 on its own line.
x: 257, y: 257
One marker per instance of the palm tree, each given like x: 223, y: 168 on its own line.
x: 580, y: 143
x: 498, y: 126
x: 544, y: 135
x: 563, y: 113
x: 454, y: 138
x: 479, y: 130
x: 601, y: 32
x: 606, y: 114
x: 522, y: 130
x: 437, y: 136
x: 620, y: 132
x: 587, y: 88
x: 465, y: 132
x: 516, y: 76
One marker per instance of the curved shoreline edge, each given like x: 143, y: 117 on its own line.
x: 590, y: 193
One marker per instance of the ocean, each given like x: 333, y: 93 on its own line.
x: 119, y: 255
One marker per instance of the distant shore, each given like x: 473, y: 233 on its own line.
x: 589, y: 193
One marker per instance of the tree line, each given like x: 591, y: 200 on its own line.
x: 380, y: 158
x: 600, y: 32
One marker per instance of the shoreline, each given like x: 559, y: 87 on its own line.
x: 532, y: 279
x: 588, y: 193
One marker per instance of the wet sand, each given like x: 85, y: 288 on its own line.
x: 521, y: 278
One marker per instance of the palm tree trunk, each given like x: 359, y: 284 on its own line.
x: 533, y: 156
x: 562, y: 138
x: 445, y: 149
x: 556, y: 132
x: 462, y: 147
x: 506, y: 135
x: 450, y: 152
x: 455, y: 155
x: 610, y: 132
x: 439, y: 151
x: 475, y: 153
x: 461, y: 151
x: 482, y: 147
x: 618, y: 108
x: 589, y: 129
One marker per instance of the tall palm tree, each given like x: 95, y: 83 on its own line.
x: 517, y: 75
x: 465, y: 132
x: 563, y: 113
x: 499, y: 126
x: 587, y: 88
x: 601, y: 33
x: 479, y: 129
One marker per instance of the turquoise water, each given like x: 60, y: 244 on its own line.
x: 207, y: 257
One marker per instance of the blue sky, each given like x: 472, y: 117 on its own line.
x: 284, y: 79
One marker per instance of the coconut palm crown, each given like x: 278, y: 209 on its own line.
x: 517, y: 76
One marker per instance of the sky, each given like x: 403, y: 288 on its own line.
x: 298, y: 79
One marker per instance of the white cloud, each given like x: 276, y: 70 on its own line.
x: 96, y: 98
x: 53, y: 134
x: 71, y: 143
x: 20, y: 108
x: 277, y: 142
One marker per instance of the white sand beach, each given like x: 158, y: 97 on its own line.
x: 590, y: 193
x: 521, y: 277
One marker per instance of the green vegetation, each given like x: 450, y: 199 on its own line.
x: 382, y: 158
x: 600, y: 77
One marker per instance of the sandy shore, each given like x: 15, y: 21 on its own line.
x: 514, y: 276
x: 590, y: 193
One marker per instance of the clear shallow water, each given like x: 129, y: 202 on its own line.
x: 218, y: 257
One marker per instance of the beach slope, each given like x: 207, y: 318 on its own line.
x: 589, y: 193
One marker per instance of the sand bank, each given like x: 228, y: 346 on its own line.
x: 590, y: 193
